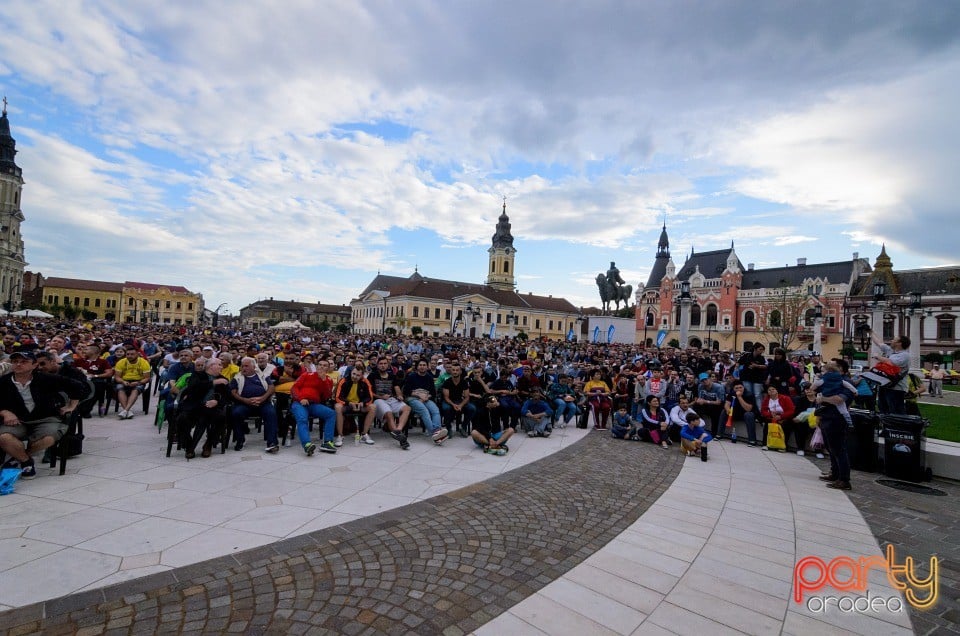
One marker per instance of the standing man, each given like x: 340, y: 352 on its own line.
x: 896, y: 353
x: 936, y: 381
x: 456, y: 400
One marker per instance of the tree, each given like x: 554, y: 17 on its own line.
x: 674, y: 343
x: 416, y: 330
x: 522, y: 336
x: 70, y: 312
x: 390, y: 331
x: 785, y: 315
x: 88, y: 315
x: 933, y: 357
x: 342, y: 328
x: 324, y: 325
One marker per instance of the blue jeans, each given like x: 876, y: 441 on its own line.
x: 469, y: 411
x: 428, y: 412
x: 750, y: 419
x: 539, y: 426
x: 755, y: 389
x: 267, y: 413
x: 302, y: 415
x: 564, y: 410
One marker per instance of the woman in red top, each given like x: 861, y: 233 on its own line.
x: 776, y: 407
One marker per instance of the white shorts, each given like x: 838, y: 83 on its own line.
x: 392, y: 405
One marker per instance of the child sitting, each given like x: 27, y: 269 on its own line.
x: 623, y: 425
x: 694, y: 438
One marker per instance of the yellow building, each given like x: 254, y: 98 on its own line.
x: 163, y: 304
x: 100, y: 297
x: 126, y: 302
x: 439, y: 307
x: 266, y: 312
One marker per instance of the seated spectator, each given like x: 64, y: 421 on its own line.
x: 598, y: 394
x: 488, y: 430
x: 354, y: 397
x: 776, y: 408
x: 230, y: 369
x: 709, y: 403
x: 503, y: 388
x: 202, y: 409
x: 98, y: 369
x: 623, y: 426
x: 537, y: 414
x: 655, y: 422
x: 564, y: 400
x: 678, y: 416
x: 390, y: 408
x: 694, y: 437
x: 420, y: 393
x: 132, y: 375
x: 799, y: 424
x: 252, y: 393
x: 309, y: 397
x: 741, y: 406
x: 455, y: 395
x: 33, y: 410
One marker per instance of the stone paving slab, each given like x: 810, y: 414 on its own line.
x: 444, y: 565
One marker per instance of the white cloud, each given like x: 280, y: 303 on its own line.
x: 793, y: 239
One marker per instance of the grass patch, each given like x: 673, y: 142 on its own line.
x: 944, y: 421
x: 951, y: 387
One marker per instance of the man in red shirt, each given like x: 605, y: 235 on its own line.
x: 100, y: 371
x: 309, y: 396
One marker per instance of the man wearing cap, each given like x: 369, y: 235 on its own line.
x: 32, y: 410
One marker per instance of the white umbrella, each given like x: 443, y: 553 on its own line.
x: 32, y: 313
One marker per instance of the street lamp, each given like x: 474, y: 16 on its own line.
x: 685, y: 302
x: 216, y: 314
x: 473, y: 313
x: 817, y: 321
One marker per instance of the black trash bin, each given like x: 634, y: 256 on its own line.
x: 862, y: 440
x: 904, y: 456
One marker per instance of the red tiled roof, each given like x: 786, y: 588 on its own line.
x: 154, y: 287
x: 79, y: 283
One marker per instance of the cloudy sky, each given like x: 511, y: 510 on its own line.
x: 293, y: 149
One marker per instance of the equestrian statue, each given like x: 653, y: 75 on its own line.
x: 613, y: 289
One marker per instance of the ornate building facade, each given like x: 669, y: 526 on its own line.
x: 436, y: 307
x: 12, y: 261
x: 732, y: 306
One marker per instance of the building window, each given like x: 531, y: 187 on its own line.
x: 550, y: 325
x: 537, y: 325
x: 524, y: 319
x: 831, y: 322
x: 66, y: 301
x: 446, y: 314
x: 887, y: 330
x: 96, y: 302
x: 773, y: 319
x: 488, y: 317
x: 945, y: 328
x: 86, y: 302
x: 179, y: 305
x: 749, y: 319
x: 156, y: 304
x: 711, y: 315
x: 416, y: 311
x: 130, y: 302
x: 506, y: 267
x: 76, y: 301
x: 190, y: 308
x: 498, y: 318
x: 809, y: 317
x: 426, y: 311
x: 695, y: 315
x: 167, y: 305
x: 436, y: 313
x: 493, y: 268
x: 649, y: 320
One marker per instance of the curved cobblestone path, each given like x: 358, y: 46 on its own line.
x: 445, y: 565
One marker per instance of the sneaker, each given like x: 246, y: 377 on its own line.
x: 309, y: 448
x: 504, y: 448
x: 800, y: 453
x: 286, y: 442
x: 440, y: 435
x: 752, y: 444
x: 366, y: 439
x: 27, y: 470
x: 828, y: 478
x: 703, y: 453
x: 840, y: 485
x: 101, y: 411
x: 495, y: 451
x: 733, y: 439
x: 239, y: 445
x: 11, y: 463
x: 545, y: 434
x: 820, y: 456
x: 273, y: 450
x: 338, y: 441
x: 129, y: 415
x: 327, y: 447
x: 121, y: 414
x: 764, y: 448
x: 534, y: 433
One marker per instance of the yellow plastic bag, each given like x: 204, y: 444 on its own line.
x: 813, y: 421
x: 775, y: 439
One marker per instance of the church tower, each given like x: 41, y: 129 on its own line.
x: 11, y: 242
x: 660, y: 262
x: 500, y: 270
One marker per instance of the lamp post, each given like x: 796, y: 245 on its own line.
x: 685, y: 302
x: 473, y: 314
x: 216, y: 314
x: 579, y: 321
x: 916, y: 318
x: 143, y: 312
x: 817, y: 322
x: 512, y: 319
x: 876, y: 315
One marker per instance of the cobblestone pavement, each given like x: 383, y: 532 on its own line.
x: 920, y: 526
x: 444, y: 565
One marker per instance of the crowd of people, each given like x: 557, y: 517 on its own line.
x: 209, y: 383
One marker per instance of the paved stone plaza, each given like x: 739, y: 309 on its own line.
x: 576, y: 534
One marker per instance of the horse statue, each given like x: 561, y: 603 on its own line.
x: 612, y: 293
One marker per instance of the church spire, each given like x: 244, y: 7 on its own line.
x: 500, y: 274
x: 8, y: 145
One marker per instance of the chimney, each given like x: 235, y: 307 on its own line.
x: 856, y: 255
x: 749, y: 267
x: 801, y: 262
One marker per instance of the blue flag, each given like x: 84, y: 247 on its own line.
x: 610, y: 334
x: 661, y: 336
x: 596, y: 333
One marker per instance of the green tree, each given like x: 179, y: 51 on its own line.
x: 522, y: 336
x: 674, y: 343
x: 324, y: 325
x: 933, y: 357
x: 88, y: 315
x: 416, y: 330
x: 342, y: 328
x: 390, y: 331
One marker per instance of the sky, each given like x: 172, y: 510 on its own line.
x: 295, y: 149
